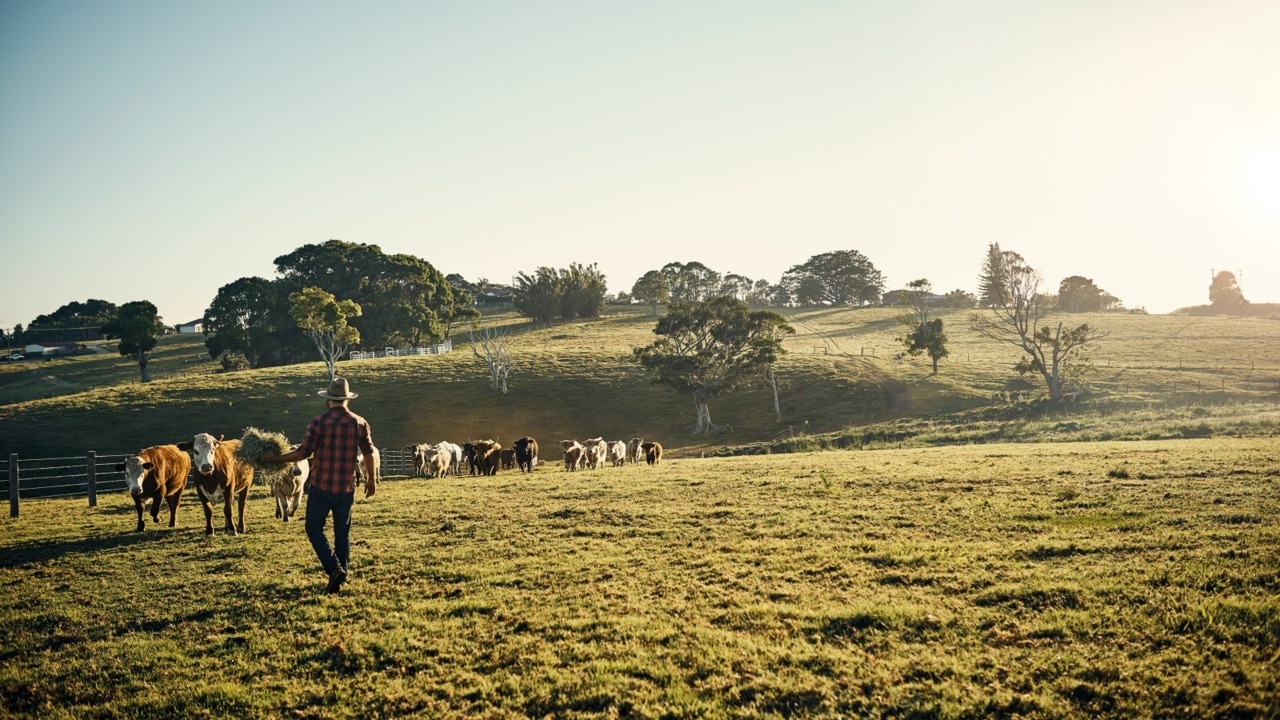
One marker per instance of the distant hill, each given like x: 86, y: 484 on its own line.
x: 843, y: 377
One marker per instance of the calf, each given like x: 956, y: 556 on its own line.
x: 156, y: 472
x: 526, y: 453
x: 634, y: 451
x: 508, y: 458
x: 573, y: 454
x: 220, y: 477
x: 287, y: 488
x: 652, y: 452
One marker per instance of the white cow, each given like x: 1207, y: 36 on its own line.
x: 597, y: 451
x: 617, y: 453
x: 452, y: 453
x: 635, y: 453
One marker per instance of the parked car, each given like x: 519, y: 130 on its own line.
x: 11, y: 357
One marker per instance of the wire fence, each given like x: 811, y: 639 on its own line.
x: 90, y: 474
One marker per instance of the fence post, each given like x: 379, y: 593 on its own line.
x: 13, y: 485
x: 92, y: 462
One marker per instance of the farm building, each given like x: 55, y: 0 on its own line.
x: 191, y: 328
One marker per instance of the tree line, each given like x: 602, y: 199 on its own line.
x: 331, y: 297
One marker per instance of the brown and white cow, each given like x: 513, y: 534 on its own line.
x: 156, y: 472
x: 596, y: 452
x: 617, y: 453
x: 220, y: 478
x: 438, y: 461
x: 488, y: 456
x: 574, y: 454
x: 286, y: 488
x: 419, y: 457
x: 634, y: 451
x: 526, y: 453
x: 652, y: 452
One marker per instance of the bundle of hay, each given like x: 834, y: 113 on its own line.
x: 254, y: 443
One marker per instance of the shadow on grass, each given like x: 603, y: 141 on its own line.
x: 40, y: 551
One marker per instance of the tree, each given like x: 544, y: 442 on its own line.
x: 493, y: 350
x: 404, y: 299
x: 690, y: 282
x: 582, y: 290
x: 844, y: 277
x: 959, y: 299
x: 249, y: 318
x: 138, y: 325
x: 1054, y: 352
x: 991, y: 282
x: 567, y: 294
x: 1079, y: 294
x: 712, y: 347
x: 538, y: 296
x: 324, y: 319
x: 1225, y: 294
x: 74, y: 321
x: 924, y: 335
x: 651, y: 289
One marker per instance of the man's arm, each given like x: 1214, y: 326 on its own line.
x: 291, y: 456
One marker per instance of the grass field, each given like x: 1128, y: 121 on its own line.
x: 1064, y: 580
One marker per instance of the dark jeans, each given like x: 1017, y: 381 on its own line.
x: 319, y: 505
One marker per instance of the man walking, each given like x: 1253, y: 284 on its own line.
x: 332, y: 441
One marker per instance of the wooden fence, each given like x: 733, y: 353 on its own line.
x: 89, y: 474
x: 441, y: 349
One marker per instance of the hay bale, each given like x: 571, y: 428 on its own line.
x: 254, y: 443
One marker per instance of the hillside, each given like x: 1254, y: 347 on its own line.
x: 843, y: 376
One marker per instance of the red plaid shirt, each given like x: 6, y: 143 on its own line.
x: 331, y: 442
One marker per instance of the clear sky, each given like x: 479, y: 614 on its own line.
x: 159, y: 150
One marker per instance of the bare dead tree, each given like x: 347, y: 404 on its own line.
x: 490, y: 346
x: 771, y: 379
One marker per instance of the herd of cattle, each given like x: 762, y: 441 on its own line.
x: 486, y: 457
x: 222, y: 477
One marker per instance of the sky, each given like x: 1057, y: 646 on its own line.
x: 157, y: 150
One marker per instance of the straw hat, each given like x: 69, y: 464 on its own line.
x: 338, y: 390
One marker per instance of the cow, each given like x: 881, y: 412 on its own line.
x: 377, y: 466
x: 469, y: 452
x: 634, y: 451
x: 453, y: 456
x: 526, y: 453
x: 574, y: 454
x: 488, y: 456
x: 596, y: 450
x: 652, y: 452
x: 287, y: 488
x: 508, y: 458
x: 220, y: 477
x: 419, y: 457
x: 617, y: 453
x: 437, y: 461
x: 156, y: 472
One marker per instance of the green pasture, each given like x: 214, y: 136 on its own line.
x: 843, y: 383
x: 1033, y: 580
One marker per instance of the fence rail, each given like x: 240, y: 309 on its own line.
x: 89, y: 474
x: 441, y: 349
